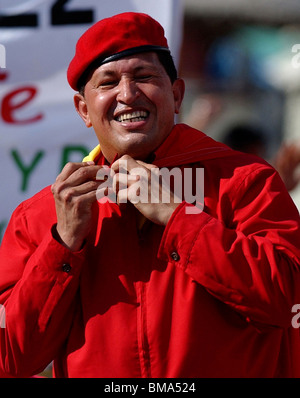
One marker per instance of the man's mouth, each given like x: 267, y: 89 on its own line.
x: 136, y: 116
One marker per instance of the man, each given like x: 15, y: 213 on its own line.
x: 132, y: 288
x: 287, y: 162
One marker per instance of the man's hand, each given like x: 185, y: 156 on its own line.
x: 287, y: 163
x: 140, y: 184
x: 74, y: 193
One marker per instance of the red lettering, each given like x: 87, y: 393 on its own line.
x: 16, y: 100
x: 3, y: 75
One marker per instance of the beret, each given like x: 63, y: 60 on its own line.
x: 113, y: 38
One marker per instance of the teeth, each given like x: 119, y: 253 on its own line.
x: 136, y: 116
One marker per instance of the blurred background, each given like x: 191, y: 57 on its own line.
x: 240, y: 60
x: 241, y: 63
x: 237, y: 60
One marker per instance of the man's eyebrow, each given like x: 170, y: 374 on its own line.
x: 106, y: 73
x: 111, y: 73
x: 143, y: 67
x: 139, y: 68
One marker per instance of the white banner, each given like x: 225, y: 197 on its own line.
x: 39, y: 128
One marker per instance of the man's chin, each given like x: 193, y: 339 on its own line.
x: 145, y: 157
x: 139, y: 149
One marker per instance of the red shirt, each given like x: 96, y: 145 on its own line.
x: 209, y: 295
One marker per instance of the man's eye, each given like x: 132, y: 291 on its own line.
x: 143, y: 77
x: 108, y: 83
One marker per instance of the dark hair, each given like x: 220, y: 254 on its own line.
x: 165, y: 58
x: 167, y: 62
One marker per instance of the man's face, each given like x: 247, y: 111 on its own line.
x: 130, y: 103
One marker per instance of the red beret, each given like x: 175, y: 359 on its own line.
x: 113, y: 38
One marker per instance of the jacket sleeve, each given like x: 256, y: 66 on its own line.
x: 250, y: 262
x: 38, y: 288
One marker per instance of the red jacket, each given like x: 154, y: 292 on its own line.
x: 209, y: 295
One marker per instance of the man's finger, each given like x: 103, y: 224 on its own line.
x: 70, y: 168
x: 124, y: 164
x: 147, y: 165
x: 75, y: 175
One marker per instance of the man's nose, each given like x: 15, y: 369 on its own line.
x: 127, y: 91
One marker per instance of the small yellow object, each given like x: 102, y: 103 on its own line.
x: 93, y: 154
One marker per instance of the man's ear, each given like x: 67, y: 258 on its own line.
x: 82, y: 109
x: 178, y: 92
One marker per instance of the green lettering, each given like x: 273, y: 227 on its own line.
x: 26, y: 170
x: 68, y: 152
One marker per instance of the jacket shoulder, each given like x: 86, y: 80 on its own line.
x: 38, y: 212
x: 43, y: 197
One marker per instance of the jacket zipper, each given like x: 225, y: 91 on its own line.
x: 143, y: 343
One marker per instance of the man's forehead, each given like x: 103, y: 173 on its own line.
x: 134, y: 63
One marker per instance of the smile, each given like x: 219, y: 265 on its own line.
x: 136, y: 116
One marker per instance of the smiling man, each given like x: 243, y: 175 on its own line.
x: 123, y: 100
x: 149, y: 288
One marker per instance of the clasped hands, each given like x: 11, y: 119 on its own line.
x: 78, y: 187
